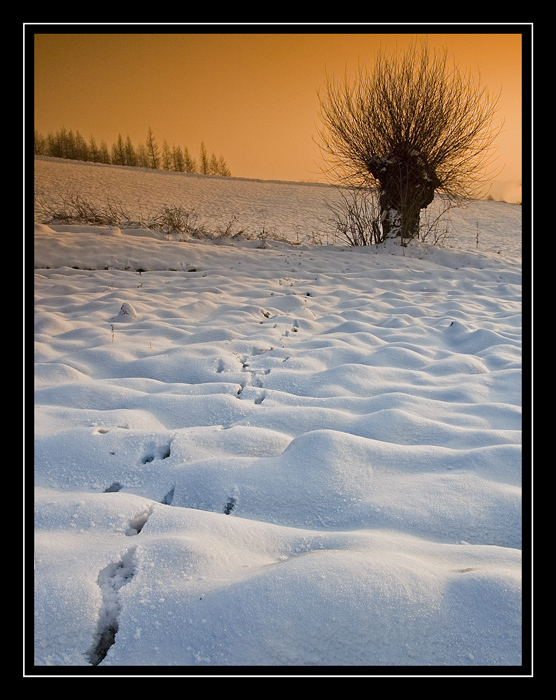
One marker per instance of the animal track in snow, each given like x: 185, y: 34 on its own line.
x: 230, y: 505
x: 294, y: 329
x: 254, y: 378
x: 156, y: 452
x: 138, y: 522
x: 114, y: 487
x: 169, y: 497
x: 110, y: 580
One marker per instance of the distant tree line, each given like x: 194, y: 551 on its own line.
x: 67, y: 144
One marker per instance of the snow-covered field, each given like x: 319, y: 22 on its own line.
x: 257, y: 454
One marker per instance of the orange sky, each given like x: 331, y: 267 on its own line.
x: 250, y: 97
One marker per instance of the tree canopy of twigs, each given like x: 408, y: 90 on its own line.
x: 412, y: 127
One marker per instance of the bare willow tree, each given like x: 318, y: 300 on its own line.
x: 412, y: 127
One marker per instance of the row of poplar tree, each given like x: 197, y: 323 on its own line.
x: 67, y: 144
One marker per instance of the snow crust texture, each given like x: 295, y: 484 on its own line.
x: 275, y: 456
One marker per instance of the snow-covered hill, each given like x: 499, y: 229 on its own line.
x: 273, y: 455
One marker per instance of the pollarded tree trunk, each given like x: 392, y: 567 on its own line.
x: 400, y: 215
x: 407, y: 185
